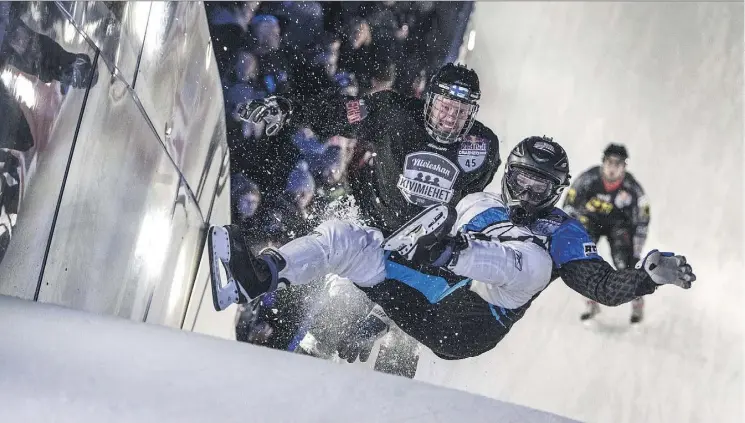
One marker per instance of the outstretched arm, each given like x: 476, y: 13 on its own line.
x: 583, y: 270
x: 599, y: 281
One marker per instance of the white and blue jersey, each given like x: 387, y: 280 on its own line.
x: 506, y: 264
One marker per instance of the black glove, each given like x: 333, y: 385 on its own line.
x: 360, y: 341
x: 438, y: 250
x: 668, y: 268
x: 275, y: 111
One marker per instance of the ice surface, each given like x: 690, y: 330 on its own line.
x: 666, y: 80
x: 62, y: 365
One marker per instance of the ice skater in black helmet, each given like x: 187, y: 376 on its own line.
x: 424, y: 151
x: 610, y: 202
x: 455, y: 279
x: 415, y: 142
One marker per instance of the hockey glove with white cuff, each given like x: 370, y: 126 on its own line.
x: 275, y: 111
x: 667, y: 268
x: 360, y: 342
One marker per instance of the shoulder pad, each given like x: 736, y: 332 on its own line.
x: 486, y: 218
x: 591, y: 174
x: 482, y: 131
x: 570, y: 241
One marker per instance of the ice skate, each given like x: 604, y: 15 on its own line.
x: 592, y: 310
x: 245, y: 276
x: 437, y: 220
x: 637, y: 311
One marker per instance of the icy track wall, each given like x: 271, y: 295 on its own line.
x: 113, y: 156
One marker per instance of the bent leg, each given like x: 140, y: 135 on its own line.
x: 335, y: 247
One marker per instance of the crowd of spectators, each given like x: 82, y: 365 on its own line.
x: 282, y: 185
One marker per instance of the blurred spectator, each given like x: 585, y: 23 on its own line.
x: 301, y: 22
x: 301, y: 186
x: 273, y: 63
x: 245, y: 88
x: 245, y: 196
x: 358, y: 52
x: 229, y: 29
x: 266, y: 33
x: 315, y: 74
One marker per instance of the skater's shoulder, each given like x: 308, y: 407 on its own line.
x: 558, y: 223
x: 481, y: 209
x: 480, y: 131
x: 630, y: 182
x: 590, y: 175
x: 569, y: 239
x: 387, y: 98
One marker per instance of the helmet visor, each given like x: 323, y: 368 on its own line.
x: 528, y: 186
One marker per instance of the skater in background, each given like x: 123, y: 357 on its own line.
x: 610, y: 202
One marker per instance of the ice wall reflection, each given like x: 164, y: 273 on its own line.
x: 112, y: 155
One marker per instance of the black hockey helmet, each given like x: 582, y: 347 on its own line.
x: 451, y: 103
x: 615, y: 150
x: 536, y: 172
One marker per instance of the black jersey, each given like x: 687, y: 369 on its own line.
x: 408, y: 170
x: 602, y: 207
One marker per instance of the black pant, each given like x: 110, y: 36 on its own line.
x: 461, y: 325
x: 620, y: 238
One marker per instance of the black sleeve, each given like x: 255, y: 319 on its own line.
x: 335, y: 114
x: 493, y: 160
x: 598, y: 281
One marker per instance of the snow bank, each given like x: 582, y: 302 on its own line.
x: 63, y: 365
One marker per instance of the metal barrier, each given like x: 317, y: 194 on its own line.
x: 113, y: 156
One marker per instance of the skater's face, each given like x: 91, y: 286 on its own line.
x: 361, y: 34
x: 449, y: 115
x: 529, y: 187
x: 268, y: 35
x: 248, y: 203
x: 614, y: 168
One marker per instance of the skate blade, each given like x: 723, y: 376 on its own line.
x: 223, y: 294
x: 404, y: 239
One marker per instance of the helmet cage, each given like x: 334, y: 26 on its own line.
x: 467, y: 108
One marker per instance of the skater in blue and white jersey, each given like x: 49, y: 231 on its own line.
x: 455, y: 280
